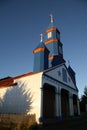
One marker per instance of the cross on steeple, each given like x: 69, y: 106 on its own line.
x: 41, y: 37
x: 51, y: 18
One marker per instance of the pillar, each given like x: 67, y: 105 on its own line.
x: 57, y: 112
x: 41, y: 110
x: 78, y: 107
x: 71, y: 110
x: 58, y: 104
x: 59, y: 97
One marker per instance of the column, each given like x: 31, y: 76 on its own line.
x: 58, y: 104
x: 57, y: 112
x: 78, y: 107
x: 71, y: 104
x: 41, y: 110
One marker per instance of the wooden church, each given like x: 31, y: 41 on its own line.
x: 52, y: 84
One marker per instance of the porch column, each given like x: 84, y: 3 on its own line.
x: 71, y: 104
x: 78, y: 107
x: 59, y: 103
x: 41, y: 110
x: 56, y: 105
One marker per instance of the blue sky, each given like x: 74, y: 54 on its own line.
x: 22, y: 21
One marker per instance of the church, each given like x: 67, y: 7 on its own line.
x: 52, y: 84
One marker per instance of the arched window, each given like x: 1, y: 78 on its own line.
x: 64, y: 75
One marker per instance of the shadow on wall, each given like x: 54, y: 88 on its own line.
x: 16, y: 101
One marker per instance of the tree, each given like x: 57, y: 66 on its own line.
x: 16, y: 100
x: 83, y: 101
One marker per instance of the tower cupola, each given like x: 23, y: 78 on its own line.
x: 40, y: 56
x: 52, y: 36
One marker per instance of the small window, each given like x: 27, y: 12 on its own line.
x: 64, y: 75
x: 49, y: 35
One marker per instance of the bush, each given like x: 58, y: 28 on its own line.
x: 33, y: 127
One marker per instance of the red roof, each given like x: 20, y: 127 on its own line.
x: 6, y: 82
x: 9, y: 81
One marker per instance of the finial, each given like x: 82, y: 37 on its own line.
x: 51, y: 18
x: 41, y: 37
x: 68, y: 62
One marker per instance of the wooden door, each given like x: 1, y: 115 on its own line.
x: 48, y: 102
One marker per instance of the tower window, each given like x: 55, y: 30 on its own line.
x: 64, y: 75
x: 49, y: 34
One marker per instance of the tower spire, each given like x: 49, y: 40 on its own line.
x: 51, y: 18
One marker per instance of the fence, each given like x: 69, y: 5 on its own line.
x: 16, y: 118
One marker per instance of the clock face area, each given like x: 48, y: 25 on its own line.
x: 49, y: 35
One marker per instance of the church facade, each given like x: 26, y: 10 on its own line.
x: 52, y: 84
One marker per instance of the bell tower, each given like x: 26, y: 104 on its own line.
x: 53, y: 44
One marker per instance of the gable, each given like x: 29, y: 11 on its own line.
x: 60, y: 74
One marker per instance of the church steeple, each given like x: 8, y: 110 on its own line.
x: 49, y: 53
x: 53, y: 44
x: 40, y: 56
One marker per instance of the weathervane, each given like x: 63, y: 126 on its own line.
x: 51, y: 18
x: 41, y: 37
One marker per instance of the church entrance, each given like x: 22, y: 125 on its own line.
x: 48, y: 101
x: 64, y: 103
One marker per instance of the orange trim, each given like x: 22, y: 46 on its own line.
x: 52, y: 57
x: 23, y: 75
x: 38, y: 49
x: 50, y: 29
x: 51, y: 40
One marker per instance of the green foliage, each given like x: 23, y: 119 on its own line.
x: 83, y: 101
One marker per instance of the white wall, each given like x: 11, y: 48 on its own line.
x: 30, y: 83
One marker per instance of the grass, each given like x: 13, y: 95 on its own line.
x: 19, y: 126
x: 64, y: 124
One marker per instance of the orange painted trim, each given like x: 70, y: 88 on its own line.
x: 38, y: 49
x: 52, y: 57
x: 51, y: 40
x: 23, y: 75
x: 50, y: 29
